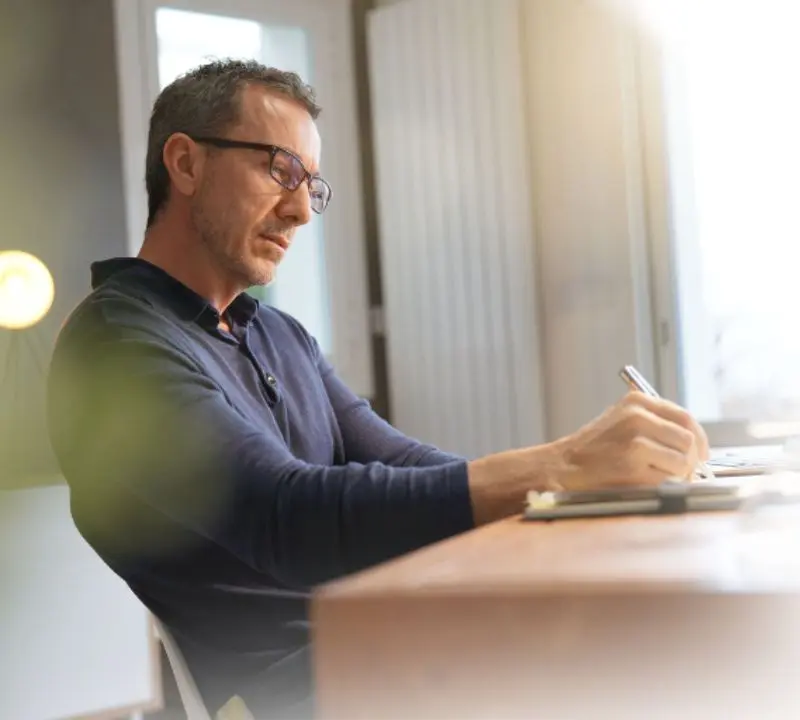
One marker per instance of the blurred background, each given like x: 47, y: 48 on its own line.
x: 528, y: 194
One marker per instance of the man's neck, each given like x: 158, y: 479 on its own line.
x: 187, y: 260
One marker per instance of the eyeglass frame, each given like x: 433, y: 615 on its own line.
x: 273, y: 150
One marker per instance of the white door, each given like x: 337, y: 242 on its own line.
x: 322, y: 282
x: 457, y: 233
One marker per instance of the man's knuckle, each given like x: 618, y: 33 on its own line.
x: 634, y: 400
x: 633, y: 415
x: 684, y: 419
x: 638, y: 447
x: 686, y: 440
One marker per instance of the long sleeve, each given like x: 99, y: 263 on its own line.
x: 368, y: 437
x: 134, y: 414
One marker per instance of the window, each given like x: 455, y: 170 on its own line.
x: 186, y: 39
x: 733, y: 122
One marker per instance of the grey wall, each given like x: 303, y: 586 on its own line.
x: 60, y: 183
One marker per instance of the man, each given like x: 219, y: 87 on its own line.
x: 215, y: 460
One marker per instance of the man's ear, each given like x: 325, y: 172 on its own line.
x: 184, y: 160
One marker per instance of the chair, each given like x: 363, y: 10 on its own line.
x: 187, y: 689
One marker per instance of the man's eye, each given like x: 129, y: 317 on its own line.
x: 281, y: 174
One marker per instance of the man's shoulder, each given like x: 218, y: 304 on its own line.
x: 109, y: 312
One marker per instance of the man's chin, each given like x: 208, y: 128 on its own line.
x: 263, y: 273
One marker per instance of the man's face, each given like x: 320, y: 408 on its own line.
x: 243, y: 215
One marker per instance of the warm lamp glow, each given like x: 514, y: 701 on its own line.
x: 26, y: 290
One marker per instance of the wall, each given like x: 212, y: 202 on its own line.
x: 590, y: 205
x: 60, y: 182
x: 75, y: 640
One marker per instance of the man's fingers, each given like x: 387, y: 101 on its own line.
x: 650, y: 454
x: 703, y: 450
x: 671, y: 435
x: 676, y: 415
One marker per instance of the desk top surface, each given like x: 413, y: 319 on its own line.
x: 709, y: 553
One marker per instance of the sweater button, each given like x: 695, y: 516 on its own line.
x: 271, y: 381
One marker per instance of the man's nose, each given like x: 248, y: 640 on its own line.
x: 295, y: 205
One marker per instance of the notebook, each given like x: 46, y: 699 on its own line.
x: 669, y: 498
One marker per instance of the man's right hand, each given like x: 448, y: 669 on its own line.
x: 639, y: 441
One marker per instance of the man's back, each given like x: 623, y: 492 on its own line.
x: 187, y: 447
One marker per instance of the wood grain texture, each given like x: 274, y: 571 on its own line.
x: 693, y: 616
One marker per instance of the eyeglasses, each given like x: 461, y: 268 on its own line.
x: 285, y: 168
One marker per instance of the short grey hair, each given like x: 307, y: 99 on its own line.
x: 205, y: 101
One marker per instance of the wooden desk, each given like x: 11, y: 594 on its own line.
x: 682, y: 617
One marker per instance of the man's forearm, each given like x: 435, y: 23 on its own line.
x: 499, y: 483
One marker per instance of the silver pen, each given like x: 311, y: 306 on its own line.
x: 636, y: 381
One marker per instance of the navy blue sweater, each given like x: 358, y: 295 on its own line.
x: 223, y: 476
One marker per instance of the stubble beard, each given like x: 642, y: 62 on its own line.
x: 215, y: 236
